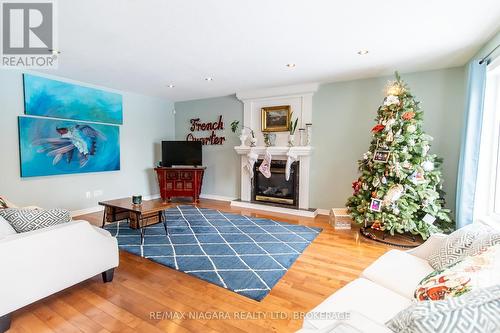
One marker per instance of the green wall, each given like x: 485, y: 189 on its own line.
x: 343, y: 114
x: 223, y: 165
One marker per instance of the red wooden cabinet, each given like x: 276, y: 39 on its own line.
x: 180, y: 182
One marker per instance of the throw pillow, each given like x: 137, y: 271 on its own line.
x: 5, y: 228
x: 23, y: 220
x: 477, y: 271
x: 477, y: 311
x: 461, y: 243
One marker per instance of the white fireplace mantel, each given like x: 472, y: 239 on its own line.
x: 279, y: 151
x: 299, y: 97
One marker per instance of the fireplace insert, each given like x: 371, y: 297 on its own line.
x: 276, y: 190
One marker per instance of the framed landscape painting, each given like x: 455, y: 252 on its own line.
x: 57, y: 99
x: 55, y: 147
x: 276, y: 118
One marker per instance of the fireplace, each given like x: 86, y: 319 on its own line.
x: 276, y: 190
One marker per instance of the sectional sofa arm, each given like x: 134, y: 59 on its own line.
x: 42, y: 262
x: 430, y: 245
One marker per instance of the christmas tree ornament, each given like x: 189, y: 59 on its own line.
x: 429, y: 219
x: 411, y: 142
x: 425, y: 149
x: 393, y: 194
x: 389, y: 123
x: 364, y: 186
x: 376, y: 182
x: 389, y: 137
x: 428, y: 166
x: 356, y: 186
x: 408, y: 115
x: 376, y: 225
x: 377, y: 128
x: 417, y: 177
x: 384, y: 180
x: 391, y: 100
x: 374, y: 194
x: 411, y: 128
x: 395, y: 209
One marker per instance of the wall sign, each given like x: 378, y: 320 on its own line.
x: 212, y: 139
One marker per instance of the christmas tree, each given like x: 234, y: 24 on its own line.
x: 400, y: 187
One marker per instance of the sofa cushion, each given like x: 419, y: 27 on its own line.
x: 23, y: 220
x: 463, y: 242
x: 5, y: 228
x: 477, y: 271
x: 360, y: 295
x: 477, y: 311
x: 410, y: 271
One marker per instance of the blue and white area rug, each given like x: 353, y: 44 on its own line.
x: 244, y: 254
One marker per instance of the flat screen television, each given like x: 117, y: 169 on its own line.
x: 181, y: 153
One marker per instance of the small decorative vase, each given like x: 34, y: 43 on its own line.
x: 267, y: 140
x: 137, y: 199
x: 291, y: 140
x: 253, y: 142
x: 243, y: 139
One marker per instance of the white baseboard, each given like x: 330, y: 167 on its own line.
x: 85, y: 211
x: 216, y: 197
x: 96, y: 209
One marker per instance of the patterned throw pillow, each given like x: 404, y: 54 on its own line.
x: 23, y: 220
x: 464, y: 242
x: 476, y: 271
x: 477, y: 311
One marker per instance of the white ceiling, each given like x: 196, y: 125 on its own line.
x: 143, y: 45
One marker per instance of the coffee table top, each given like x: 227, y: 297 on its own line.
x: 147, y: 206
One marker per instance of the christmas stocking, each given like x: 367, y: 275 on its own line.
x: 292, y: 157
x: 252, y: 158
x: 265, y: 167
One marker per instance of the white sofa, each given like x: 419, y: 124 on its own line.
x: 383, y: 289
x: 39, y: 263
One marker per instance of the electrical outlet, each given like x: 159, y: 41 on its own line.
x: 88, y: 195
x: 97, y: 193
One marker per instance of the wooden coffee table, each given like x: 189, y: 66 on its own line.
x: 140, y: 216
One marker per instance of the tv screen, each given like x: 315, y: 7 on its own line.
x: 181, y: 153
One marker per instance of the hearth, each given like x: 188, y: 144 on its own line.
x: 276, y: 190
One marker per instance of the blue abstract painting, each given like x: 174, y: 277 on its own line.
x: 54, y: 147
x: 51, y: 98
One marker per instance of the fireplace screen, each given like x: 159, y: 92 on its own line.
x: 276, y: 189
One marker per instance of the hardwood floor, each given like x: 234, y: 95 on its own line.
x: 141, y: 288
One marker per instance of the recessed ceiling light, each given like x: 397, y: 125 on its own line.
x: 291, y: 65
x: 209, y: 78
x: 363, y: 52
x: 170, y: 86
